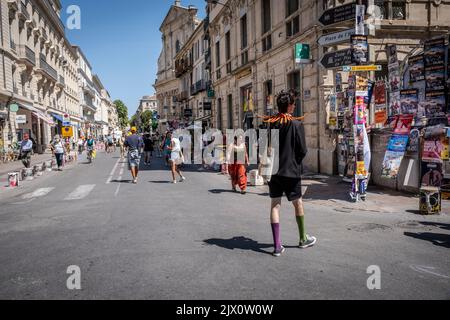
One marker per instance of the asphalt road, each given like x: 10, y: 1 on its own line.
x: 197, y: 240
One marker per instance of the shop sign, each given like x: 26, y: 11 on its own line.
x: 21, y: 119
x: 13, y: 107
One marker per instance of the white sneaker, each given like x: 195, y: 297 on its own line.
x: 183, y: 179
x: 174, y: 181
x: 310, y: 241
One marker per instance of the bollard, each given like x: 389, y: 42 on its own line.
x: 48, y: 166
x: 37, y: 170
x: 27, y: 174
x: 13, y: 179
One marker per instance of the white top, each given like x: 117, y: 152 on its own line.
x: 59, y: 148
x: 176, y: 145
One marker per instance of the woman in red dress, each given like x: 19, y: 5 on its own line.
x: 237, y: 159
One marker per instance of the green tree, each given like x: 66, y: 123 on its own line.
x: 133, y: 121
x: 146, y: 120
x: 122, y: 112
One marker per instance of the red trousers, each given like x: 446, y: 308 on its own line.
x: 238, y: 175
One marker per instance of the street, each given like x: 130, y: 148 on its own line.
x: 198, y: 240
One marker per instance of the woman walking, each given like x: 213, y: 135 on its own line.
x: 58, y: 150
x: 237, y: 160
x: 176, y: 157
x: 165, y: 147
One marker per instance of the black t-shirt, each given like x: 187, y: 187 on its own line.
x: 292, y: 149
x: 148, y: 144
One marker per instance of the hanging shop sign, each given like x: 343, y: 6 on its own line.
x: 416, y: 68
x: 337, y: 59
x: 207, y: 106
x: 362, y: 68
x: 302, y: 53
x: 360, y: 49
x: 336, y: 37
x: 338, y: 14
x: 21, y: 119
x: 14, y: 107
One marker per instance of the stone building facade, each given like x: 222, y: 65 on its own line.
x: 252, y: 50
x: 177, y: 27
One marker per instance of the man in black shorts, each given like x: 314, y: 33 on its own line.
x: 287, y: 180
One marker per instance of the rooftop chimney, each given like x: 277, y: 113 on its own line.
x: 177, y: 3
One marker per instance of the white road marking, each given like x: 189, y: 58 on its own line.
x: 425, y: 269
x: 81, y: 192
x: 119, y: 179
x: 112, y: 172
x: 38, y: 193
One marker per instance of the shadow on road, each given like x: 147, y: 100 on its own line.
x: 444, y: 226
x: 239, y: 243
x: 160, y: 182
x: 121, y: 181
x: 438, y: 239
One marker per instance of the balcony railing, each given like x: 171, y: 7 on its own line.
x: 199, y: 86
x: 25, y: 11
x: 27, y: 54
x: 13, y: 45
x: 47, y: 68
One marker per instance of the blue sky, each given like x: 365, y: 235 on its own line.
x: 122, y: 41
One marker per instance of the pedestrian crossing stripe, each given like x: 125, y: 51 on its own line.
x: 81, y: 192
x: 38, y: 193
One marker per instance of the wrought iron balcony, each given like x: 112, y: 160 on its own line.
x: 27, y: 55
x: 48, y: 69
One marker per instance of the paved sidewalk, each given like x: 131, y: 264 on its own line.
x: 5, y: 168
x: 331, y: 191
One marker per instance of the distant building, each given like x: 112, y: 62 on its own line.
x: 148, y: 103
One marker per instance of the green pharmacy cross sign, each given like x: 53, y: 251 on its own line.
x: 302, y: 53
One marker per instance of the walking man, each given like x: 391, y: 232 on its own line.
x: 134, y: 144
x: 287, y: 180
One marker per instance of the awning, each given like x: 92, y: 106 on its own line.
x: 27, y: 107
x: 44, y: 117
x: 57, y: 117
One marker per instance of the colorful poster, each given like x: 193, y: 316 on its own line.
x: 433, y: 150
x: 414, y: 141
x: 362, y: 86
x: 391, y: 164
x: 431, y: 174
x: 435, y: 77
x: 370, y: 88
x: 392, y: 54
x: 360, y: 108
x: 416, y: 68
x: 445, y: 155
x: 394, y: 105
x: 338, y: 82
x: 434, y: 52
x: 409, y: 101
x: 360, y: 50
x: 434, y: 104
x: 380, y: 93
x: 403, y: 125
x: 398, y: 143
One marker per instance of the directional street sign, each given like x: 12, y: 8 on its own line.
x: 337, y: 59
x: 362, y: 68
x: 338, y: 14
x: 336, y: 37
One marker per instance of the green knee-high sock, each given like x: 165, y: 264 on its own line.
x: 301, y: 228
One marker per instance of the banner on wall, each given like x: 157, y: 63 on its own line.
x: 380, y: 103
x: 416, y: 68
x: 433, y: 150
x: 409, y: 101
x: 431, y: 174
x: 398, y: 143
x: 403, y: 124
x: 394, y: 104
x: 435, y: 77
x: 338, y: 82
x: 391, y: 164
